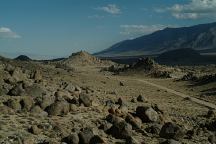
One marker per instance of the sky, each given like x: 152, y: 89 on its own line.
x: 57, y: 28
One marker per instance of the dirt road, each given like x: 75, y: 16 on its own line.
x: 201, y: 102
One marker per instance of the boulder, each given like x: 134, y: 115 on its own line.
x: 113, y: 119
x: 58, y: 108
x: 45, y: 101
x: 154, y: 129
x: 36, y: 75
x: 17, y: 90
x: 86, y: 100
x: 69, y: 87
x: 35, y: 130
x: 71, y: 139
x: 147, y: 114
x: 171, y: 131
x: 27, y: 103
x: 35, y: 90
x: 120, y: 130
x: 141, y: 98
x: 36, y: 110
x: 14, y: 104
x: 134, y: 122
x: 85, y: 136
x: 96, y: 140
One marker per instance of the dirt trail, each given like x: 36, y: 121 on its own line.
x: 201, y: 102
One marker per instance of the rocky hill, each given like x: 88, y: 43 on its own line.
x: 23, y: 58
x: 198, y: 37
x: 81, y: 58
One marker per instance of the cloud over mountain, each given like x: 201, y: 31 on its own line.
x: 194, y: 9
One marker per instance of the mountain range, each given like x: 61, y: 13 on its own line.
x: 200, y: 37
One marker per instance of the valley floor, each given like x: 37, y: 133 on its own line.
x: 104, y: 87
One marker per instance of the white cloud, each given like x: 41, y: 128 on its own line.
x: 194, y: 9
x: 8, y: 33
x: 110, y: 8
x: 137, y: 30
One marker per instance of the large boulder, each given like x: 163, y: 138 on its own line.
x: 172, y: 131
x: 147, y: 114
x: 121, y: 130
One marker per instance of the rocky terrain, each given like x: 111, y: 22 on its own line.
x: 77, y: 101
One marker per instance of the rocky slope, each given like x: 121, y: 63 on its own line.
x: 42, y: 104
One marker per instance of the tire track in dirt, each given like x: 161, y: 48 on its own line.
x: 193, y: 99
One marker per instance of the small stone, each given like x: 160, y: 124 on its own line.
x: 141, y: 98
x: 35, y: 130
x: 121, y: 83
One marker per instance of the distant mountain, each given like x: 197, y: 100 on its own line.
x: 23, y: 58
x: 199, y: 37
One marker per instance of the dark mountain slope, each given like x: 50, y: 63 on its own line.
x: 199, y: 37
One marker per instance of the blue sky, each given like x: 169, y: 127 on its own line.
x: 56, y: 28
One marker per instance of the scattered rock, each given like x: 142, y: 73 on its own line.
x: 212, y: 139
x: 114, y: 119
x: 58, y: 108
x: 69, y: 87
x: 27, y: 103
x: 121, y: 83
x: 16, y: 90
x: 14, y: 104
x: 147, y: 114
x: 35, y: 90
x: 71, y: 139
x: 36, y: 110
x: 120, y: 130
x: 170, y: 141
x: 96, y: 140
x: 154, y: 129
x: 35, y: 130
x: 37, y: 75
x: 141, y: 98
x: 133, y: 100
x: 86, y: 135
x: 45, y: 101
x: 86, y: 100
x: 131, y: 140
x: 136, y: 124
